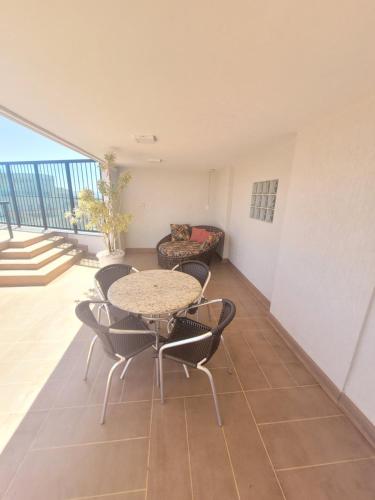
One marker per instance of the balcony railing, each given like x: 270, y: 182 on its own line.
x: 41, y: 192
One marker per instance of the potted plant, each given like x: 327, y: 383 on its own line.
x: 104, y: 214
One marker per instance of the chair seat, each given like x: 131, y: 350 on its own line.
x: 116, y: 314
x: 130, y: 344
x: 189, y: 354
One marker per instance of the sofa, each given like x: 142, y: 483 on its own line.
x: 170, y: 253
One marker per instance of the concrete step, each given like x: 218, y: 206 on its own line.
x: 38, y: 261
x: 32, y: 250
x: 42, y: 276
x: 22, y: 239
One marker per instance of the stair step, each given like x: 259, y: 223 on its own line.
x: 33, y: 250
x: 23, y: 239
x: 38, y: 261
x: 42, y: 276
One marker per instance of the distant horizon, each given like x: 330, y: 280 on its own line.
x: 19, y: 143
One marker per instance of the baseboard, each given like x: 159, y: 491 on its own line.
x: 357, y: 417
x: 360, y: 420
x: 329, y: 387
x: 254, y: 290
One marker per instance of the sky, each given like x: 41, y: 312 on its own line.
x: 18, y: 143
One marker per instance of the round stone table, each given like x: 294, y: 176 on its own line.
x: 154, y: 293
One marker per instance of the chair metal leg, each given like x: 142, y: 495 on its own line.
x: 108, y: 388
x: 186, y: 371
x: 157, y: 372
x: 89, y: 356
x: 125, y: 368
x: 161, y: 377
x: 229, y: 370
x: 100, y: 312
x: 209, y: 313
x: 208, y: 373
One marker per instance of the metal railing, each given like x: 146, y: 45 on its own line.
x: 5, y: 207
x: 41, y: 192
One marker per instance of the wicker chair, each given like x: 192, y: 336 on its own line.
x: 103, y: 280
x: 121, y: 341
x: 201, y: 272
x: 193, y: 344
x: 168, y: 262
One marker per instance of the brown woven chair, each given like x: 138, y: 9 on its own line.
x: 168, y: 262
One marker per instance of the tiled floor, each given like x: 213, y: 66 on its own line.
x: 282, y: 437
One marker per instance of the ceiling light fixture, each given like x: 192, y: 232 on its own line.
x: 154, y: 160
x: 145, y: 139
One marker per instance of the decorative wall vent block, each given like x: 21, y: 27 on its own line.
x: 263, y: 200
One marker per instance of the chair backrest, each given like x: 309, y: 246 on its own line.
x: 228, y: 311
x: 199, y: 270
x: 109, y: 274
x: 85, y: 314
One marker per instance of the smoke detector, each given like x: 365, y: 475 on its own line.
x: 145, y: 139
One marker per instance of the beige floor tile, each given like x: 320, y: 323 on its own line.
x: 17, y: 447
x: 38, y: 350
x: 176, y: 384
x: 97, y: 394
x: 220, y: 359
x: 5, y: 347
x: 139, y: 495
x: 17, y: 398
x: 81, y: 425
x: 299, y: 373
x: 293, y: 365
x: 48, y: 395
x: 169, y: 475
x: 29, y: 371
x: 101, y: 460
x: 311, y: 442
x: 139, y: 378
x: 278, y: 375
x: 287, y: 404
x: 212, y: 475
x: 75, y: 390
x: 11, y: 334
x: 80, y: 471
x: 252, y: 469
x: 9, y: 422
x: 345, y: 481
x: 248, y: 370
x: 262, y: 350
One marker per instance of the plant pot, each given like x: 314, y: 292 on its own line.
x: 106, y: 258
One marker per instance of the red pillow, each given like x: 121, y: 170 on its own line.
x: 199, y: 235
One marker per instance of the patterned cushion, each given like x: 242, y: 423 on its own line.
x: 180, y: 248
x: 180, y: 232
x: 210, y: 241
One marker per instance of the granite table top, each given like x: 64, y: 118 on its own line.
x: 155, y: 292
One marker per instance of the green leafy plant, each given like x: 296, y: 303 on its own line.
x: 104, y: 214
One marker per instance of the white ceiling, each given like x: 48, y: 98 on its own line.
x: 208, y: 77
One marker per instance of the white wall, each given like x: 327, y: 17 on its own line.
x: 326, y: 268
x: 221, y: 203
x: 361, y: 378
x: 316, y: 262
x: 254, y: 244
x: 159, y: 196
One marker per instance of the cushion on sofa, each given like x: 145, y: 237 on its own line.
x: 180, y: 248
x: 210, y: 241
x: 180, y: 232
x: 199, y: 235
